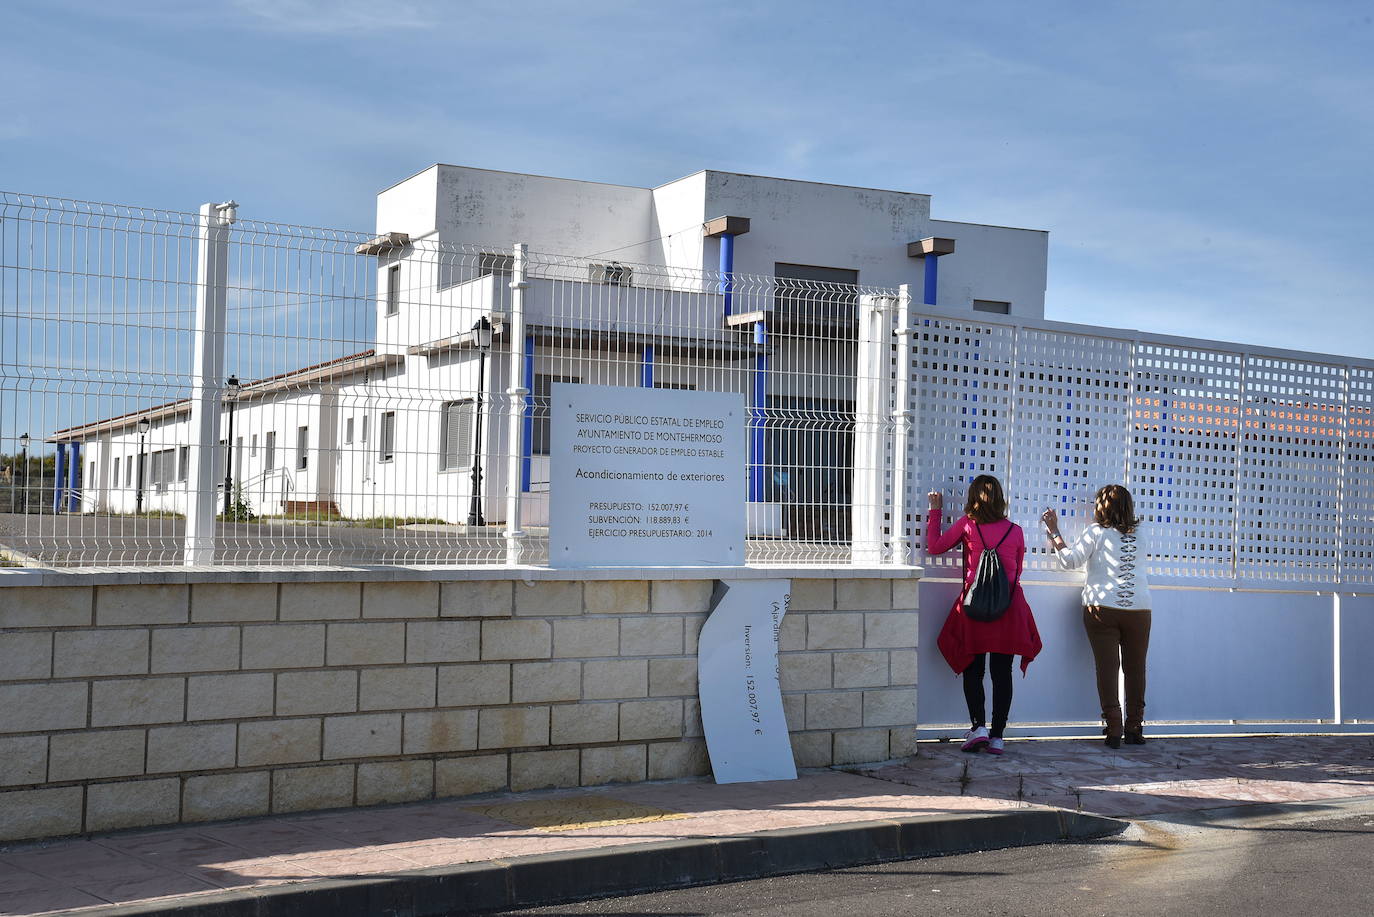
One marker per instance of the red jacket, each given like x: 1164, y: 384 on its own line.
x: 1015, y: 633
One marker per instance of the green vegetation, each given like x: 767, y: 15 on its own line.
x: 239, y: 511
x: 392, y: 522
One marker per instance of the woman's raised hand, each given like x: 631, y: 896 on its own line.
x: 936, y: 499
x: 1051, y: 520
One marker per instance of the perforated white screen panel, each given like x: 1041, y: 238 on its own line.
x: 1251, y: 468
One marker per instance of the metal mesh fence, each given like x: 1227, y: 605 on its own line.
x: 200, y: 388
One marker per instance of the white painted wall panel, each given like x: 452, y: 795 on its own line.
x: 1357, y: 673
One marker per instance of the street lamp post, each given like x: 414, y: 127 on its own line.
x: 144, y: 426
x: 24, y: 473
x: 481, y: 337
x: 231, y: 397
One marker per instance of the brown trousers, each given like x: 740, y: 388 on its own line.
x: 1120, y: 638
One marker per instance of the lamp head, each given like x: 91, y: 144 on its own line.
x: 144, y: 425
x: 232, y: 388
x: 482, y: 333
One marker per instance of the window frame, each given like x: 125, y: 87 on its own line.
x: 464, y: 460
x: 386, y: 437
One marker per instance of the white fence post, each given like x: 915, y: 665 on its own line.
x: 515, y: 418
x: 872, y: 407
x: 901, y: 420
x: 212, y: 283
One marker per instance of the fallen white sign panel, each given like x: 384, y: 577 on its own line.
x: 741, y: 695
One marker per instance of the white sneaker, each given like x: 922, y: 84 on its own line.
x: 994, y: 746
x: 975, y: 739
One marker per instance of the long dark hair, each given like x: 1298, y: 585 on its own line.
x: 1113, y: 508
x: 985, y: 501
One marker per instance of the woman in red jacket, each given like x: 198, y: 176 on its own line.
x: 964, y: 641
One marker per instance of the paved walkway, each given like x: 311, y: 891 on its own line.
x: 1080, y: 775
x: 1165, y: 775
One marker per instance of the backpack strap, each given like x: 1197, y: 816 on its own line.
x: 1004, y: 535
x: 999, y: 542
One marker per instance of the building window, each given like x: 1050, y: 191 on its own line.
x: 302, y: 448
x: 386, y: 447
x: 348, y: 431
x: 161, y: 468
x: 806, y: 292
x: 129, y: 472
x: 253, y: 446
x: 455, y: 435
x: 992, y: 305
x: 115, y: 481
x: 362, y: 437
x: 613, y: 273
x: 679, y: 386
x: 270, y: 451
x: 501, y: 265
x: 238, y: 456
x: 183, y: 462
x: 89, y: 483
x: 540, y: 397
x: 393, y: 290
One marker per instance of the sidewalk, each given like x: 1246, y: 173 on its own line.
x: 558, y: 844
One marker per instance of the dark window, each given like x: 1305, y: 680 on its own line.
x: 540, y: 396
x: 992, y: 305
x: 183, y: 462
x: 386, y: 447
x: 613, y: 273
x: 270, y: 451
x: 393, y: 289
x: 302, y: 448
x: 809, y: 444
x: 805, y: 292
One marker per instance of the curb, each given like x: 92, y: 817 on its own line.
x: 558, y: 877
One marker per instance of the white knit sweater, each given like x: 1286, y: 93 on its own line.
x: 1116, y: 567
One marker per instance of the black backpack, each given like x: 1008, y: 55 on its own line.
x: 989, y: 594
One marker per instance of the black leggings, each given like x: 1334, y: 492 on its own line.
x: 1001, y: 692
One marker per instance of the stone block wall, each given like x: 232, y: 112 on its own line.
x: 127, y: 704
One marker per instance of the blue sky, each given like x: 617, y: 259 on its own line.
x: 1204, y: 168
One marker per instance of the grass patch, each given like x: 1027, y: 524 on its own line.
x: 391, y: 522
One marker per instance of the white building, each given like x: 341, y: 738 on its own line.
x: 716, y: 280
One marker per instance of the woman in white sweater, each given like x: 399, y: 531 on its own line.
x: 1116, y: 605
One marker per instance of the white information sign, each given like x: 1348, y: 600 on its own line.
x: 645, y: 477
x: 741, y: 695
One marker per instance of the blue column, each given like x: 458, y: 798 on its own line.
x: 527, y: 449
x: 932, y: 278
x: 727, y: 269
x: 74, y: 480
x: 646, y: 367
x: 757, y: 413
x: 61, y: 483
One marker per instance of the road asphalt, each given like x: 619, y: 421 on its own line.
x: 1222, y: 863
x: 513, y: 850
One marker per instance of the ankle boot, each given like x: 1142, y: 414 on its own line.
x: 1134, y: 733
x: 1113, y: 731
